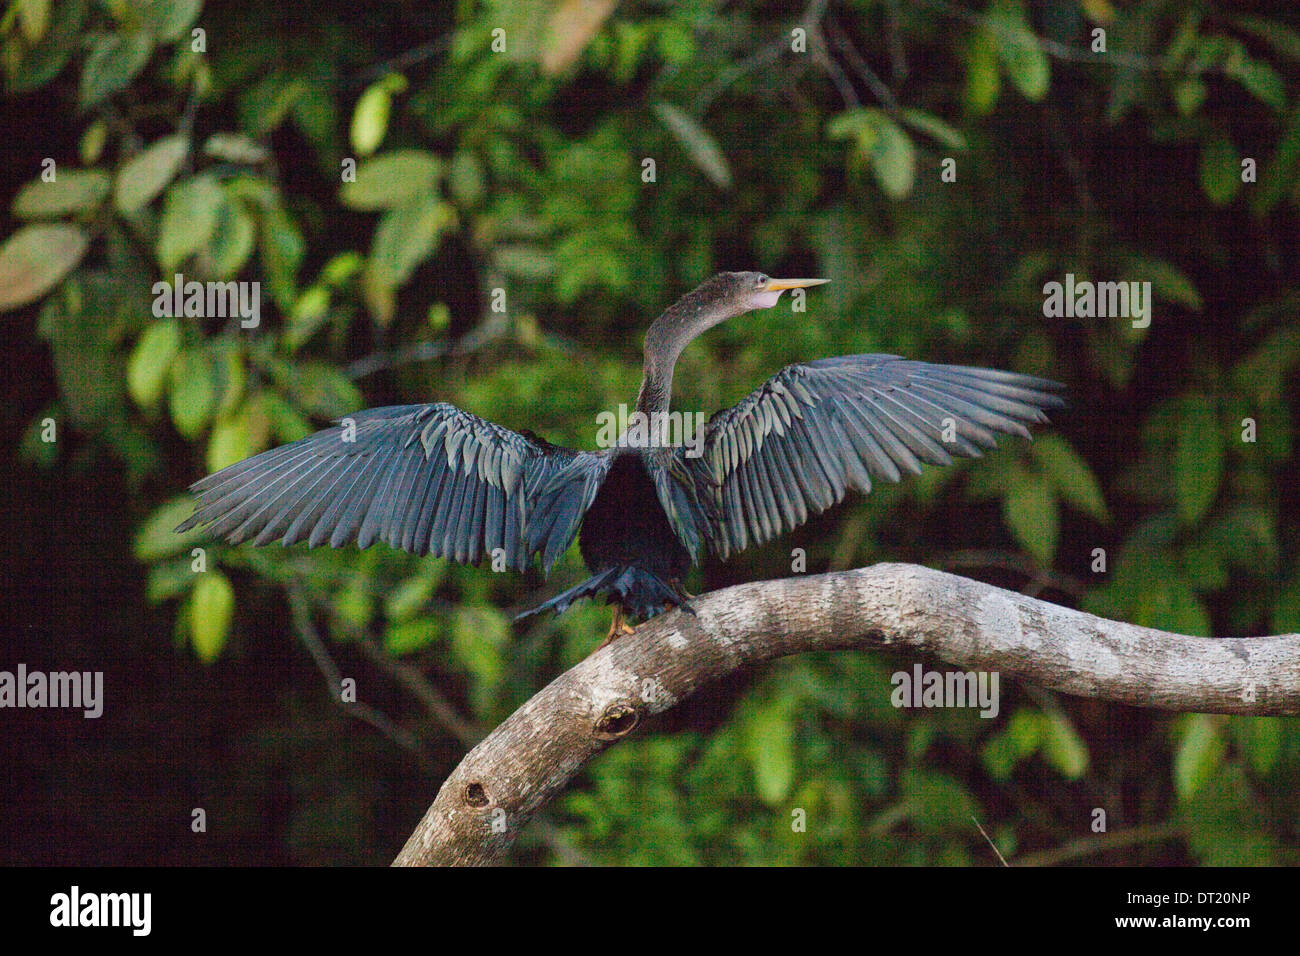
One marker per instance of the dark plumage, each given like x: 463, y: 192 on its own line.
x: 432, y: 479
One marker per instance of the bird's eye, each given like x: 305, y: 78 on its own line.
x: 762, y: 280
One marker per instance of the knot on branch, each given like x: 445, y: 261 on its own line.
x: 476, y: 796
x: 618, y: 720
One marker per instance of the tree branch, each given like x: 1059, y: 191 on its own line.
x: 530, y: 757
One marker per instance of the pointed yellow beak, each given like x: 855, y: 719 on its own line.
x: 778, y: 285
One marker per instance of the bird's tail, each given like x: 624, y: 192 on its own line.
x: 642, y: 593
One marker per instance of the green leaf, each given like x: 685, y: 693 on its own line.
x: 1220, y: 170
x: 71, y: 191
x: 235, y: 148
x: 408, y: 235
x: 1063, y: 748
x: 232, y: 241
x: 1070, y: 475
x: 370, y: 119
x: 893, y: 160
x: 698, y: 142
x: 151, y: 361
x: 478, y: 636
x: 1198, y: 458
x: 319, y: 389
x: 407, y: 637
x: 282, y: 249
x: 1199, y: 754
x: 1030, y: 511
x: 1225, y: 822
x: 168, y: 580
x: 1017, y: 47
x: 191, y: 212
x: 232, y: 440
x: 35, y: 259
x: 934, y: 127
x: 112, y: 64
x: 1260, y: 80
x: 212, y: 605
x: 983, y: 81
x: 768, y: 734
x: 1286, y: 611
x: 156, y: 538
x: 1260, y: 739
x: 391, y: 180
x: 146, y: 174
x: 170, y: 19
x: 194, y: 392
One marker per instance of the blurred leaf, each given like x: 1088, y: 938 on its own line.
x: 572, y: 25
x: 769, y: 744
x: 893, y: 159
x: 1198, y: 458
x: 156, y: 537
x: 232, y: 440
x: 983, y: 81
x: 698, y: 142
x: 1199, y: 754
x: 151, y: 361
x: 235, y: 148
x: 212, y: 605
x: 1286, y: 612
x: 1030, y: 511
x: 168, y: 580
x: 169, y: 19
x: 407, y: 637
x: 1220, y: 170
x: 113, y: 62
x: 936, y: 802
x: 191, y: 212
x: 1260, y: 80
x: 1225, y: 824
x: 1063, y: 748
x: 1017, y: 47
x: 72, y: 191
x: 934, y: 127
x: 1259, y: 739
x: 408, y: 235
x: 193, y: 392
x: 370, y: 119
x: 146, y: 174
x: 1070, y: 475
x: 232, y: 241
x: 35, y: 258
x: 319, y: 389
x: 391, y: 180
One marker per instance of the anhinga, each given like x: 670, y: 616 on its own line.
x: 433, y: 479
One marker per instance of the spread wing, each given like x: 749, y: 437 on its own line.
x: 795, y: 444
x: 429, y: 479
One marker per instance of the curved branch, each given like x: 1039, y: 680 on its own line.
x: 529, y: 758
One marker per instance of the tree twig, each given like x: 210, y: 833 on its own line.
x: 529, y: 758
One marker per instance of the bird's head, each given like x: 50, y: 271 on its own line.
x: 723, y: 297
x: 735, y: 293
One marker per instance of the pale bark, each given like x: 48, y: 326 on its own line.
x: 529, y: 758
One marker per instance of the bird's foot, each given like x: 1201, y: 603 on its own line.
x: 617, y: 628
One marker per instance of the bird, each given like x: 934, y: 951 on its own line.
x: 434, y: 479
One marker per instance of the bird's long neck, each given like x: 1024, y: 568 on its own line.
x: 664, y: 342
